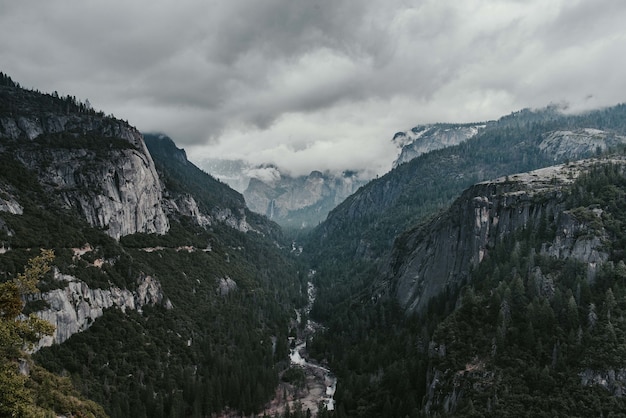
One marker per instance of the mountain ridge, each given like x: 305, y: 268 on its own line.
x: 443, y: 253
x: 145, y: 229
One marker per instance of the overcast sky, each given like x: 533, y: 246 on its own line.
x: 314, y: 84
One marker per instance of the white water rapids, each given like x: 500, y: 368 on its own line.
x: 309, y: 365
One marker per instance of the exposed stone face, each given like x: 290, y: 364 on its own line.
x: 30, y: 127
x: 9, y: 204
x: 115, y: 188
x: 426, y: 138
x: 225, y: 285
x: 121, y: 194
x: 230, y: 210
x: 443, y: 252
x: 74, y: 308
x: 229, y: 218
x: 613, y: 380
x: 186, y: 205
x: 578, y: 143
x: 282, y: 197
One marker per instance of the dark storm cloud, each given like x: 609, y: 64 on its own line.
x: 312, y: 84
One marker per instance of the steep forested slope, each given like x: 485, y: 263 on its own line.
x: 537, y: 330
x: 184, y: 294
x: 538, y: 326
x: 380, y: 354
x: 360, y: 232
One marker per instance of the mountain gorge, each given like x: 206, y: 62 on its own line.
x: 483, y: 276
x: 367, y: 223
x: 162, y: 278
x: 414, y: 246
x: 294, y: 202
x: 300, y: 202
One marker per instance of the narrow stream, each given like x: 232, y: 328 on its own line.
x: 309, y: 365
x: 319, y: 383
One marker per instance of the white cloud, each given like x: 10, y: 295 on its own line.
x: 267, y: 175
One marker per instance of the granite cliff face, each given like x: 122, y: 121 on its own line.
x: 9, y: 204
x: 60, y: 162
x: 572, y: 144
x: 214, y: 202
x: 121, y: 194
x: 75, y: 307
x: 96, y: 165
x: 440, y: 254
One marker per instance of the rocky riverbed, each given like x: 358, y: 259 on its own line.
x: 318, y: 387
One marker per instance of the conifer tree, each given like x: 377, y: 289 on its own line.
x: 18, y: 333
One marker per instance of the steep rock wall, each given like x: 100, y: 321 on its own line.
x: 74, y: 308
x: 115, y: 188
x: 440, y: 254
x: 579, y: 142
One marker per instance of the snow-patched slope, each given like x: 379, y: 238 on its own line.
x: 426, y: 138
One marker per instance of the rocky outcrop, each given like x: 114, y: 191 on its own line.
x: 112, y: 183
x: 225, y: 285
x: 426, y: 138
x: 575, y: 144
x: 31, y: 126
x: 9, y: 204
x: 120, y: 193
x: 612, y: 380
x: 75, y: 307
x: 186, y: 205
x: 233, y: 220
x: 208, y: 200
x: 440, y: 254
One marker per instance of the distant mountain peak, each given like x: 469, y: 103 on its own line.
x: 426, y: 138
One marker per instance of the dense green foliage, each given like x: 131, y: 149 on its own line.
x: 390, y: 368
x: 210, y: 351
x: 528, y: 333
x: 206, y: 348
x: 38, y: 393
x: 531, y: 327
x: 15, y: 101
x: 522, y: 336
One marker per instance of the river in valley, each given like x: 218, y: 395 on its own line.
x: 319, y: 384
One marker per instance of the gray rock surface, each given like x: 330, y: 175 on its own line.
x: 613, y: 380
x: 115, y: 188
x: 580, y: 142
x: 441, y: 253
x: 426, y: 138
x: 75, y: 307
x: 306, y: 198
x: 9, y: 204
x: 225, y: 285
